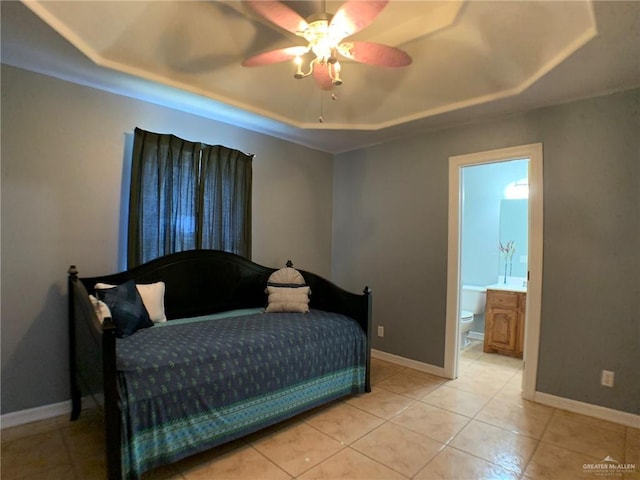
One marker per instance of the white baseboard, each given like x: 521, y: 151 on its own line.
x: 476, y: 336
x: 596, y: 411
x: 29, y: 415
x: 407, y: 362
x: 15, y: 419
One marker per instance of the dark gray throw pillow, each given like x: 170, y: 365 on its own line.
x: 127, y: 310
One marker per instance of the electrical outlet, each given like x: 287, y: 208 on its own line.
x: 380, y: 331
x: 607, y: 378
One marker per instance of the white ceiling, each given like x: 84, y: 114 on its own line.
x: 471, y: 59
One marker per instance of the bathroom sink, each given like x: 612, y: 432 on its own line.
x: 511, y: 287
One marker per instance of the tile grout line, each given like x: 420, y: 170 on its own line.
x: 520, y: 474
x: 275, y: 464
x: 388, y: 421
x: 535, y: 450
x: 385, y: 421
x: 448, y: 444
x: 444, y: 445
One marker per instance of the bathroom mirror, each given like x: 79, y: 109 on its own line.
x: 514, y: 225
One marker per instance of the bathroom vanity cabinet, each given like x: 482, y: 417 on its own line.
x: 504, y: 322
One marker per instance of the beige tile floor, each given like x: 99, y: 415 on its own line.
x: 412, y: 426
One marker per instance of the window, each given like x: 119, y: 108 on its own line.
x: 187, y: 195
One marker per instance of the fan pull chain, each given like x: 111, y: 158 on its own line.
x: 334, y: 97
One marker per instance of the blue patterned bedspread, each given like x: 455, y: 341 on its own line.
x: 188, y: 386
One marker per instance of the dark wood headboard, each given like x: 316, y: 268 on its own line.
x: 199, y: 282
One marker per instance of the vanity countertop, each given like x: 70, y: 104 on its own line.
x: 507, y: 287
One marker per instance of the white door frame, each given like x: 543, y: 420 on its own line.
x: 534, y: 286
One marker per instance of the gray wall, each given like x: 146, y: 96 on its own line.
x: 390, y: 227
x: 64, y: 169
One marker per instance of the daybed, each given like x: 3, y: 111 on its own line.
x: 220, y: 367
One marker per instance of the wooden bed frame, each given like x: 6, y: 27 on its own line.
x: 198, y: 282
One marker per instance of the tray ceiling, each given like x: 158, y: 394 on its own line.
x: 468, y: 56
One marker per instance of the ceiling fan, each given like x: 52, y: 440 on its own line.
x: 325, y: 34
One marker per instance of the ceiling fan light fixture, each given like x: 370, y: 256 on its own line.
x: 299, y: 73
x: 332, y: 68
x: 334, y: 73
x: 323, y: 42
x: 324, y: 34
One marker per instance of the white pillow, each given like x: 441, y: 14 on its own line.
x: 288, y: 299
x: 286, y: 276
x: 152, y: 295
x: 287, y: 292
x: 101, y: 308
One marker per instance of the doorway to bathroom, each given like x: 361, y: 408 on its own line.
x: 495, y: 240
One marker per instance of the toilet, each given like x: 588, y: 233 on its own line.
x: 472, y: 302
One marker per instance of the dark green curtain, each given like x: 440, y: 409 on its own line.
x: 187, y: 195
x: 225, y: 197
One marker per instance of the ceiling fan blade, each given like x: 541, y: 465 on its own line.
x: 274, y: 56
x: 355, y: 15
x: 321, y: 76
x: 280, y: 14
x: 375, y: 54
